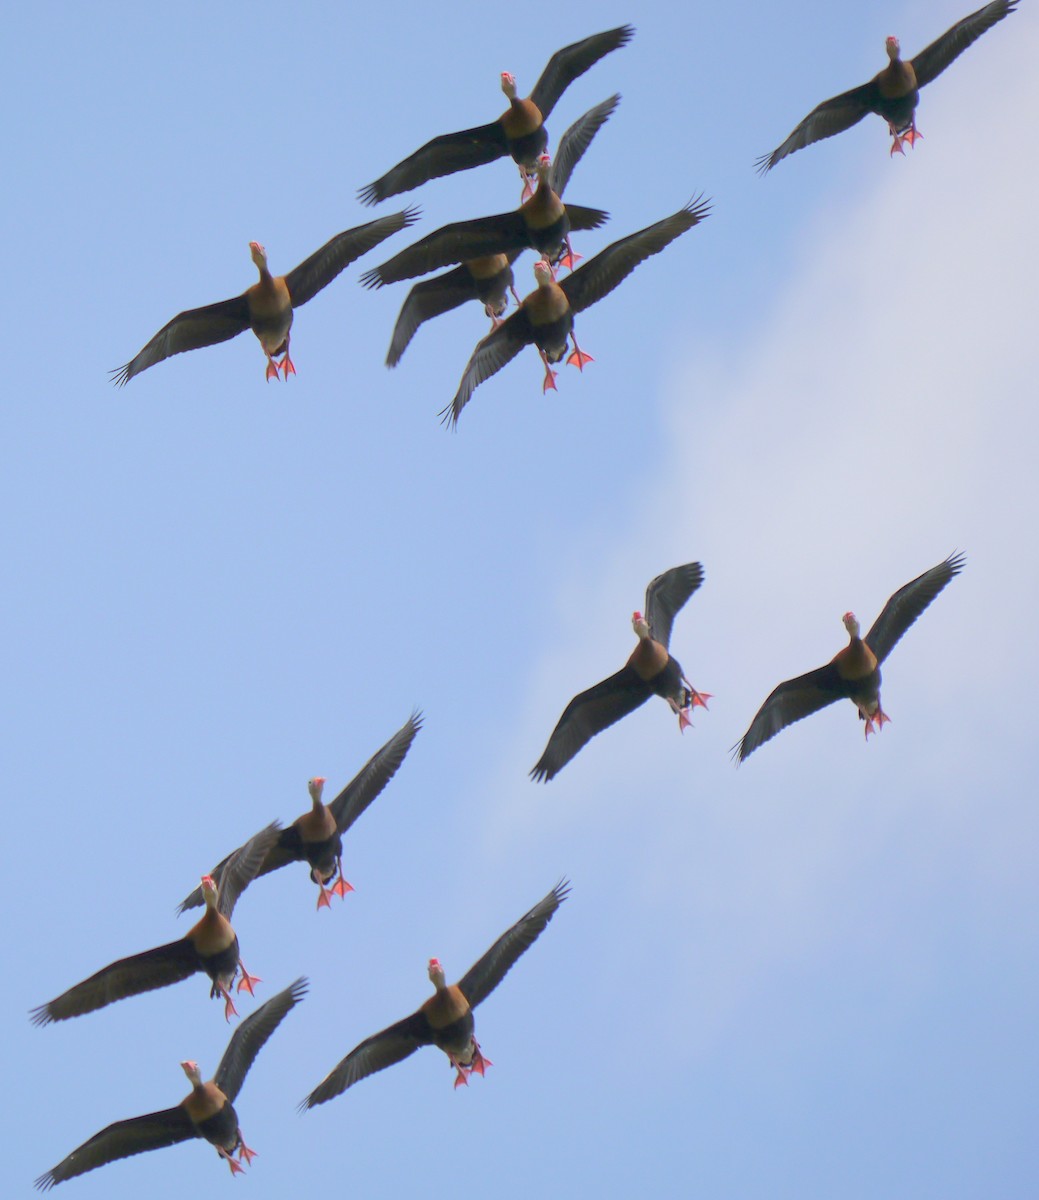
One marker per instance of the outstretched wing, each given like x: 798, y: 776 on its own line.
x: 126, y: 977
x: 588, y: 714
x: 442, y: 155
x: 601, y: 274
x: 376, y: 1053
x: 831, y: 117
x: 666, y: 595
x: 317, y: 271
x: 499, y: 347
x: 790, y: 702
x: 454, y: 243
x: 250, y: 1037
x: 933, y: 60
x: 571, y: 62
x: 908, y: 603
x: 189, y: 330
x: 121, y: 1139
x: 576, y: 141
x: 484, y: 976
x: 374, y: 775
x: 244, y: 865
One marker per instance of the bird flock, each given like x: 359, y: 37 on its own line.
x: 481, y: 253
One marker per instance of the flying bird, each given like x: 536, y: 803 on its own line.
x: 519, y: 131
x: 207, y: 1111
x: 546, y: 316
x: 487, y: 277
x: 317, y: 836
x: 854, y: 671
x: 894, y: 92
x: 267, y: 307
x: 210, y: 945
x: 543, y: 223
x: 650, y: 671
x: 444, y: 1020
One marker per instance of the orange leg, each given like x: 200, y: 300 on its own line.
x: 463, y: 1073
x: 247, y: 980
x: 577, y: 357
x: 236, y: 1169
x: 245, y: 1151
x: 229, y: 1008
x: 550, y: 375
x: 272, y: 368
x: 479, y: 1063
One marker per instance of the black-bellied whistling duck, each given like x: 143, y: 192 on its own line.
x: 317, y: 836
x: 210, y: 945
x: 446, y: 1018
x: 543, y: 222
x: 854, y: 671
x: 207, y: 1111
x: 892, y: 93
x: 546, y: 316
x: 489, y: 277
x: 519, y: 131
x: 267, y: 307
x: 650, y: 671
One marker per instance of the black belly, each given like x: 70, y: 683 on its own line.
x: 550, y: 240
x: 220, y: 965
x: 492, y: 291
x: 866, y: 691
x: 899, y: 112
x: 221, y: 1128
x: 552, y: 337
x: 668, y: 683
x: 456, y: 1038
x: 528, y: 149
x: 322, y: 857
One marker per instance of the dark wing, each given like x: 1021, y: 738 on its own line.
x: 499, y: 347
x: 120, y: 1140
x: 376, y: 1053
x: 576, y: 141
x: 581, y: 218
x: 588, y: 714
x: 789, y: 702
x: 189, y: 330
x: 244, y: 865
x: 443, y: 155
x: 484, y: 976
x: 452, y: 244
x: 127, y: 977
x: 601, y: 274
x: 374, y: 775
x: 933, y: 60
x: 666, y: 595
x: 568, y: 64
x: 428, y: 299
x: 287, y: 849
x: 908, y: 603
x: 316, y: 272
x: 250, y: 1037
x: 831, y: 117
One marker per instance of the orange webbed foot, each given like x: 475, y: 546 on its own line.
x: 286, y: 366
x: 577, y: 358
x: 247, y: 980
x: 272, y: 369
x: 323, y: 897
x: 480, y: 1063
x: 245, y: 1151
x: 341, y: 887
x: 229, y: 1008
x: 911, y: 136
x: 236, y: 1168
x: 461, y: 1077
x: 549, y: 384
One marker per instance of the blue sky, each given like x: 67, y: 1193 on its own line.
x: 814, y: 976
